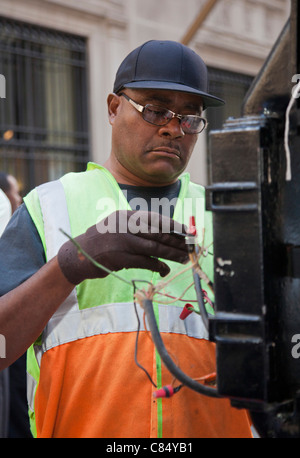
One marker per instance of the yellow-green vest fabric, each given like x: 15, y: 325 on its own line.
x: 76, y: 202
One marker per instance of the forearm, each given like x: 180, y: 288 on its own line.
x: 25, y: 311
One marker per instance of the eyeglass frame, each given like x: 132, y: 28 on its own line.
x: 141, y: 109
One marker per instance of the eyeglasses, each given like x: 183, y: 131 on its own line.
x: 159, y: 116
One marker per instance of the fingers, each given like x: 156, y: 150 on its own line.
x: 170, y: 240
x: 125, y: 239
x: 147, y: 233
x: 138, y: 223
x: 150, y: 263
x: 141, y: 223
x: 162, y: 233
x: 157, y: 247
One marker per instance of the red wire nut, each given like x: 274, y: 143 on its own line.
x: 164, y: 392
x: 192, y: 227
x: 185, y: 311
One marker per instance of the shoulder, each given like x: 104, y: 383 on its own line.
x: 20, y: 240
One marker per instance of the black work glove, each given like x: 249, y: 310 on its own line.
x: 125, y: 239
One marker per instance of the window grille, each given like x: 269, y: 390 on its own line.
x: 231, y: 87
x: 44, y: 114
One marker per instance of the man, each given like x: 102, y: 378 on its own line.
x: 90, y: 373
x: 5, y: 214
x: 12, y: 379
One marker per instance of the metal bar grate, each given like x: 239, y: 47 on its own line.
x: 232, y: 87
x: 44, y: 115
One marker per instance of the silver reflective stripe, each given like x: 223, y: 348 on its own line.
x: 117, y: 317
x: 102, y: 319
x: 31, y: 387
x: 55, y: 217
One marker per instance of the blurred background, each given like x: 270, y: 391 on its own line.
x: 58, y: 60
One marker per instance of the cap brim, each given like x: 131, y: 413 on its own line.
x: 208, y: 99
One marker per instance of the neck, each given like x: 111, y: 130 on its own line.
x: 124, y: 176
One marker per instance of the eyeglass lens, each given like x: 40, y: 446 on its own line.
x: 161, y: 116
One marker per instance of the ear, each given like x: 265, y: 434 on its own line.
x: 113, y: 103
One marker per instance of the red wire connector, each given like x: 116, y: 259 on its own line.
x: 185, y: 311
x: 191, y: 235
x: 166, y: 391
x: 192, y: 227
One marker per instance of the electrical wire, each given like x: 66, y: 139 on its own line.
x: 147, y: 305
x: 200, y: 298
x: 186, y: 380
x: 295, y: 95
x: 137, y: 334
x: 171, y: 366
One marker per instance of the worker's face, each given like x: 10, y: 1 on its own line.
x: 145, y: 154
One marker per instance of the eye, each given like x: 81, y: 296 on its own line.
x: 156, y: 114
x: 157, y: 110
x: 193, y: 124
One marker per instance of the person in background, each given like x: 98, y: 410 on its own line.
x: 5, y: 214
x: 13, y: 402
x: 10, y: 186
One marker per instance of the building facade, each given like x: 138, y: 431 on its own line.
x: 58, y: 59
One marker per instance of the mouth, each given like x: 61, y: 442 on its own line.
x: 167, y: 151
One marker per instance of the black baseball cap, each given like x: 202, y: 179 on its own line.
x: 165, y: 65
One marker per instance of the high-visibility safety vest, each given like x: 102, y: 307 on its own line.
x: 83, y: 379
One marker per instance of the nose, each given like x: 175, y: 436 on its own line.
x: 172, y: 129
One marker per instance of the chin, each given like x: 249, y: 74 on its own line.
x: 163, y: 179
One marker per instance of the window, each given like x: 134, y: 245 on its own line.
x: 231, y: 87
x: 44, y: 114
